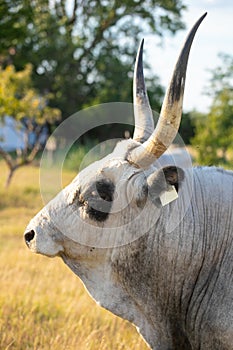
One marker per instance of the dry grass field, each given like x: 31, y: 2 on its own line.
x: 43, y: 305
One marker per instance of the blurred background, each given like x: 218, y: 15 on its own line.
x: 59, y: 57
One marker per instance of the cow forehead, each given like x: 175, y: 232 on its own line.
x: 114, y: 166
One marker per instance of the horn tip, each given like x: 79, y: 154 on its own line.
x: 141, y: 45
x: 204, y: 15
x: 139, y: 58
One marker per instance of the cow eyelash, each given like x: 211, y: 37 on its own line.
x: 78, y: 199
x: 81, y: 200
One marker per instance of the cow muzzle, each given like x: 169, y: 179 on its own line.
x: 43, y: 240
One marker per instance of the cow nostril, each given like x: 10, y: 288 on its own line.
x: 29, y: 236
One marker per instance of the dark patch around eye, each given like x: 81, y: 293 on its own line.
x: 100, y: 200
x: 96, y: 214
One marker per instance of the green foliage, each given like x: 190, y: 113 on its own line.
x: 186, y: 130
x: 213, y: 136
x: 76, y: 156
x: 83, y: 52
x: 14, y: 19
x: 19, y: 100
x: 82, y: 155
x: 222, y: 76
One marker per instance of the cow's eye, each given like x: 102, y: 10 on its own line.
x: 100, y: 201
x: 105, y: 189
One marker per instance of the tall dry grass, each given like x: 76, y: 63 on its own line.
x: 43, y: 305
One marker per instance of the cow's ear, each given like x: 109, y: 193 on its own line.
x: 174, y: 176
x: 162, y: 180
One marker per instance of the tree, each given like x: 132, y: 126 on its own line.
x: 20, y: 101
x: 213, y: 133
x: 186, y: 129
x: 14, y: 20
x: 83, y: 51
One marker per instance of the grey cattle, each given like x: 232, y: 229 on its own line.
x: 152, y: 244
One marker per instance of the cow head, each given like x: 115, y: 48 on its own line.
x: 117, y: 200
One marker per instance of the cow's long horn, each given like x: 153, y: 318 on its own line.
x: 144, y: 123
x: 170, y: 116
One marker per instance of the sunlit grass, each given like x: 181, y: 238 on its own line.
x: 43, y: 305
